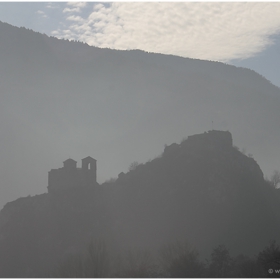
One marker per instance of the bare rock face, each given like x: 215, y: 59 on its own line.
x: 216, y: 138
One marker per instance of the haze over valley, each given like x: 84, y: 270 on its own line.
x: 65, y: 99
x: 106, y: 152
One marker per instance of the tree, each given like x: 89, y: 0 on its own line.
x: 138, y: 264
x: 221, y: 262
x: 275, y: 178
x: 244, y: 267
x: 269, y: 260
x: 181, y: 261
x: 133, y: 165
x: 95, y: 264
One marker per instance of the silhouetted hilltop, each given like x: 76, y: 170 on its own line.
x: 56, y: 92
x: 203, y: 190
x: 206, y: 190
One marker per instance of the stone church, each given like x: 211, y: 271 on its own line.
x: 70, y: 176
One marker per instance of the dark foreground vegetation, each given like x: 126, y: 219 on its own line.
x: 174, y: 260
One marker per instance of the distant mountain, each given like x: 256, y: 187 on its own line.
x: 60, y: 98
x: 203, y: 190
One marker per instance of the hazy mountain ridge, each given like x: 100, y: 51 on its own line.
x: 64, y: 50
x: 60, y: 96
x: 202, y: 190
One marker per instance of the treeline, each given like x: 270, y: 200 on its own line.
x: 175, y: 260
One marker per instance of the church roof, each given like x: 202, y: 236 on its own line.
x: 88, y: 158
x: 69, y: 160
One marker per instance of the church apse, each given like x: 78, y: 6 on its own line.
x: 69, y: 176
